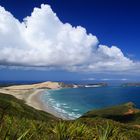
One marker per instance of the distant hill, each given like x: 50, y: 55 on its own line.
x: 48, y: 85
x: 126, y: 113
x: 130, y: 84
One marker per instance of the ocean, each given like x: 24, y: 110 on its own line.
x: 74, y: 102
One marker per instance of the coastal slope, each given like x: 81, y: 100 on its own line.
x: 18, y: 120
x: 125, y: 113
x: 31, y: 94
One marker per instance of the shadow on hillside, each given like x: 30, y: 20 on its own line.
x: 13, y: 107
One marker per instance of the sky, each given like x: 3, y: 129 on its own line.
x: 69, y: 40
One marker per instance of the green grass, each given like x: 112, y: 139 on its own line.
x: 18, y: 109
x: 18, y: 121
x: 117, y: 113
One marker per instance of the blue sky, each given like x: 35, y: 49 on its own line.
x: 113, y: 22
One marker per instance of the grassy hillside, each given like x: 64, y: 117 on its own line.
x: 126, y: 113
x: 14, y: 107
x: 19, y: 121
x: 17, y: 118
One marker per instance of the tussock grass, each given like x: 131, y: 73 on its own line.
x: 21, y: 122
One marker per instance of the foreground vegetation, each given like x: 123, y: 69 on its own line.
x: 21, y: 122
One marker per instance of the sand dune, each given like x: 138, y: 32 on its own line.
x: 48, y: 85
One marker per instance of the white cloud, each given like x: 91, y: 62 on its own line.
x: 110, y: 79
x: 42, y: 40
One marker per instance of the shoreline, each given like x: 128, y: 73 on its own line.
x: 33, y: 99
x: 31, y: 94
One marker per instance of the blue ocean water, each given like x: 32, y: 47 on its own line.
x: 73, y: 102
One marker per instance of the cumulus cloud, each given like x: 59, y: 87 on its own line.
x: 43, y: 41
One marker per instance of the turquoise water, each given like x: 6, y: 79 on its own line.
x: 73, y: 102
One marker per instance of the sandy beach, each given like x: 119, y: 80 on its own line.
x: 34, y: 100
x: 31, y: 94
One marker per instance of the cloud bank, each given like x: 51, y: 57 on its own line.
x: 43, y: 41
